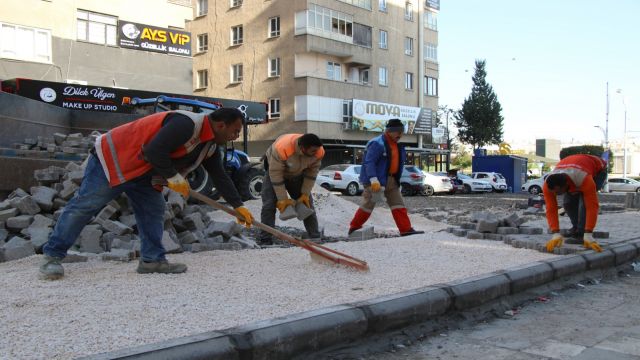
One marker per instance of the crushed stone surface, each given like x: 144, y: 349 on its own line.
x: 104, y: 306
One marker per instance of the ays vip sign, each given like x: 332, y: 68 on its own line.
x: 150, y: 38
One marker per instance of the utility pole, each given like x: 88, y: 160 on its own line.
x: 447, y: 110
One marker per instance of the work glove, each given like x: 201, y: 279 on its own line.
x: 179, y: 184
x: 304, y: 198
x: 244, y: 216
x: 375, y: 185
x: 556, y: 241
x: 590, y: 243
x: 283, y: 204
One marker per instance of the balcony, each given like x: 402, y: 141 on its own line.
x: 348, y: 53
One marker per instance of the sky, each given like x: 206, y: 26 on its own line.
x: 548, y: 61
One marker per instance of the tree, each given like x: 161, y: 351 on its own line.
x: 479, y: 122
x: 462, y: 159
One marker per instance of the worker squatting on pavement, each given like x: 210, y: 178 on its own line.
x: 292, y: 164
x: 578, y: 178
x: 137, y: 159
x: 381, y: 171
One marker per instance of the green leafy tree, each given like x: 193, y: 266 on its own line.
x: 462, y: 159
x: 479, y: 121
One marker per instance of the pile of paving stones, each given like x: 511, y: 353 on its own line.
x: 28, y: 218
x: 59, y: 145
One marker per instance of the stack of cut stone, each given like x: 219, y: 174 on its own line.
x: 28, y: 218
x: 486, y: 225
x: 56, y: 146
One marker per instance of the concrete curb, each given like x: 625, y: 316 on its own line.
x: 313, y: 331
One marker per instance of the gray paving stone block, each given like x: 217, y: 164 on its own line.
x: 198, y: 247
x: 527, y: 230
x: 170, y: 246
x: 474, y: 291
x: 366, y: 233
x: 624, y: 253
x: 514, y: 220
x: 38, y: 237
x: 600, y: 260
x: 245, y: 242
x: 494, y: 237
x: 483, y: 215
x: 468, y: 226
x: 194, y: 222
x: 59, y: 138
x: 186, y: 237
x: 218, y: 239
x: 17, y: 193
x: 284, y: 337
x: 43, y: 196
x: 76, y: 176
x: 567, y: 265
x: 403, y: 309
x: 124, y: 255
x: 176, y: 201
x: 128, y: 220
x: 474, y: 235
x: 116, y: 227
x: 41, y: 221
x: 26, y: 205
x: 9, y: 213
x: 524, y: 277
x: 4, y: 234
x: 220, y: 228
x: 601, y: 234
x: 90, y: 240
x: 69, y: 189
x: 74, y: 258
x: 460, y: 232
x: 507, y: 230
x: 19, y: 222
x: 58, y: 204
x: 17, y: 248
x: 487, y: 226
x: 4, y: 205
x: 105, y: 214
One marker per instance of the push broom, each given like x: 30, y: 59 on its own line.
x: 319, y: 253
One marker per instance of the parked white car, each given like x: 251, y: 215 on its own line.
x: 474, y: 185
x: 341, y: 177
x: 437, y: 183
x: 533, y: 186
x: 622, y: 184
x: 497, y: 181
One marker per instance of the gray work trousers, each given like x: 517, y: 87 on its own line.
x: 269, y: 199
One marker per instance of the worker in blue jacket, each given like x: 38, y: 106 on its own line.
x: 381, y: 171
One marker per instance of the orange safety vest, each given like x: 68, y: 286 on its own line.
x: 120, y: 149
x: 285, y: 146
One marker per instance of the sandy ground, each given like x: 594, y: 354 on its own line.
x: 103, y: 306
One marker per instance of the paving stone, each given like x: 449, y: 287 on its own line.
x: 17, y: 248
x: 170, y: 246
x: 26, y: 205
x: 43, y: 196
x: 474, y: 235
x: 495, y: 237
x: 194, y: 222
x: 176, y: 201
x: 179, y: 224
x: 533, y: 211
x: 56, y: 214
x: 487, y: 226
x: 198, y: 247
x: 9, y: 213
x: 38, y: 236
x: 3, y: 235
x: 186, y: 237
x: 90, y: 239
x: 245, y: 242
x: 468, y: 226
x: 17, y: 193
x: 366, y: 233
x: 128, y: 220
x: 168, y: 214
x: 514, y: 220
x: 41, y: 221
x: 212, y: 240
x: 69, y: 189
x: 601, y: 234
x: 116, y: 227
x: 220, y: 228
x: 76, y: 176
x: 4, y: 205
x: 19, y: 222
x: 507, y: 230
x: 105, y: 214
x: 124, y: 255
x: 59, y: 138
x: 460, y: 232
x: 526, y: 230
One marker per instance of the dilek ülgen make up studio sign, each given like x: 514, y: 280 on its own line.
x: 155, y: 39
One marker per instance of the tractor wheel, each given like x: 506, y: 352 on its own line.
x: 200, y: 182
x: 250, y: 185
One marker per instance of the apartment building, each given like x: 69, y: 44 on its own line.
x: 336, y: 68
x: 138, y: 44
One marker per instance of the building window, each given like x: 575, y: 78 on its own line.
x: 408, y: 81
x: 364, y: 76
x: 347, y: 110
x: 25, y: 43
x: 236, y: 35
x: 236, y: 73
x: 431, y: 52
x: 97, y: 28
x: 203, y: 79
x: 328, y: 21
x: 274, y: 108
x: 430, y: 86
x: 334, y: 71
x: 274, y: 67
x: 236, y: 3
x: 431, y: 20
x: 203, y: 42
x: 408, y: 46
x: 362, y: 35
x: 203, y: 7
x: 382, y: 5
x: 365, y: 4
x: 408, y: 11
x: 383, y: 39
x: 382, y: 76
x: 274, y: 27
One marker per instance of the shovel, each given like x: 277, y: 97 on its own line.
x: 319, y: 253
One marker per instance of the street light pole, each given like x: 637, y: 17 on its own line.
x: 448, y: 142
x: 624, y: 142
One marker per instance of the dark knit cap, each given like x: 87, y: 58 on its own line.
x: 395, y: 125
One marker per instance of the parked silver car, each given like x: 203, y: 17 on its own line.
x: 341, y: 177
x: 622, y: 184
x: 497, y: 181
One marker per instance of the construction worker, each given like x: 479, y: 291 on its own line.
x: 578, y: 178
x: 292, y: 164
x: 137, y: 158
x: 381, y: 171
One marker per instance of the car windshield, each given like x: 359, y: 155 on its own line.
x: 357, y: 169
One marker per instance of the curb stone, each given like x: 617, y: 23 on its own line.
x: 316, y: 330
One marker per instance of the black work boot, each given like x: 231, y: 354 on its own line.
x: 412, y: 231
x: 574, y: 236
